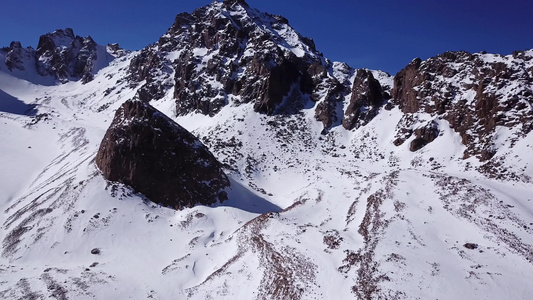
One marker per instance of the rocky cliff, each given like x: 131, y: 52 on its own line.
x: 474, y: 93
x: 366, y: 99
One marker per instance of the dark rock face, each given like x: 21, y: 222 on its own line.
x: 404, y: 82
x: 424, y: 135
x: 15, y: 56
x: 116, y: 50
x: 232, y: 2
x: 230, y: 53
x: 367, y: 97
x: 64, y: 56
x: 325, y: 111
x: 475, y: 93
x: 155, y: 156
x: 471, y: 246
x: 150, y: 66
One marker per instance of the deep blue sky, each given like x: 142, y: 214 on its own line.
x: 379, y: 34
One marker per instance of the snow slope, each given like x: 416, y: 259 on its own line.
x: 351, y: 215
x: 347, y: 215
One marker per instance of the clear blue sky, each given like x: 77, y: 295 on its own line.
x: 379, y: 34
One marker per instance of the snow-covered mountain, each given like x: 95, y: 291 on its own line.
x: 60, y: 56
x: 343, y: 183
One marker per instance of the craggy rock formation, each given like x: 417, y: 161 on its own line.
x: 424, y: 135
x: 367, y: 98
x: 230, y: 53
x: 404, y: 83
x: 475, y: 93
x: 15, y: 56
x: 155, y: 156
x: 62, y: 55
x: 150, y: 66
x: 115, y: 50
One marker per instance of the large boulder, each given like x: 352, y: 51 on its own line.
x: 148, y: 151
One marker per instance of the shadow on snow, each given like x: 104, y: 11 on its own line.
x: 243, y: 198
x: 12, y: 105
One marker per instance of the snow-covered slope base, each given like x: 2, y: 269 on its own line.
x: 309, y: 216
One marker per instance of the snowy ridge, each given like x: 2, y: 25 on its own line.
x: 347, y: 214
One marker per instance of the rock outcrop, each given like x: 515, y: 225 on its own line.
x: 424, y: 135
x: 155, y: 156
x: 475, y: 93
x: 367, y: 97
x: 15, y: 56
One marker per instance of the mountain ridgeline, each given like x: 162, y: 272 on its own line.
x: 228, y: 53
x: 62, y: 56
x: 231, y: 159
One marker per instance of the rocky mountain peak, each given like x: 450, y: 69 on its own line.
x: 60, y: 33
x: 15, y: 56
x: 227, y: 52
x: 148, y: 151
x: 381, y: 206
x: 63, y: 55
x: 15, y: 45
x: 59, y: 37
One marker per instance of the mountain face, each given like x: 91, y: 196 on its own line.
x: 155, y: 156
x: 229, y: 53
x: 340, y: 182
x: 62, y: 55
x: 15, y: 55
x: 475, y: 93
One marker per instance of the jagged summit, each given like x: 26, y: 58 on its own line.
x: 57, y: 38
x: 61, y: 55
x: 232, y: 54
